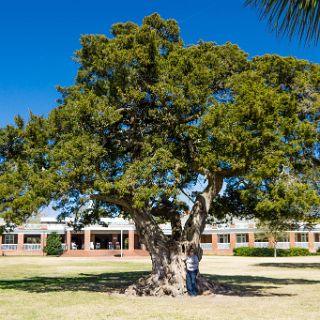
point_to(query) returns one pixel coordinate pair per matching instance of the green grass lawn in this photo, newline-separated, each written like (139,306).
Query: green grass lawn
(90,288)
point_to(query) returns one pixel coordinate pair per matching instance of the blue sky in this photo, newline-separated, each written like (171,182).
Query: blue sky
(38,38)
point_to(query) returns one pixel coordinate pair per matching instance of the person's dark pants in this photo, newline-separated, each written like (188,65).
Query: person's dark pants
(192,282)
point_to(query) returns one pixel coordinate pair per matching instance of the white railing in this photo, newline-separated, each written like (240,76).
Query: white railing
(301,245)
(206,246)
(283,245)
(261,244)
(7,247)
(64,246)
(32,247)
(223,246)
(242,244)
(317,245)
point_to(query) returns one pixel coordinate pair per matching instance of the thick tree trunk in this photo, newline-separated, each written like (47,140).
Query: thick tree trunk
(168,275)
(168,268)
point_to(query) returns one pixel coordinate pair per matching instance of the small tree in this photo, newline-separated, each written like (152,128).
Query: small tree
(284,207)
(274,230)
(53,247)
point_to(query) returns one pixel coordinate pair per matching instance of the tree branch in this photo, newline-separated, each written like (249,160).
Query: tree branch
(181,189)
(148,229)
(197,218)
(124,203)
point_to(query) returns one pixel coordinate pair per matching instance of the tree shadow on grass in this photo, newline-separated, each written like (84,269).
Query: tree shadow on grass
(116,282)
(248,286)
(290,265)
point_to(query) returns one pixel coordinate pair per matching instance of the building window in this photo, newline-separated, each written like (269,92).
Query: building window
(8,239)
(301,237)
(242,237)
(223,238)
(206,238)
(317,237)
(32,239)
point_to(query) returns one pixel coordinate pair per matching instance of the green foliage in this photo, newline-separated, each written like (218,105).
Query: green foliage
(269,252)
(299,252)
(253,252)
(148,117)
(53,247)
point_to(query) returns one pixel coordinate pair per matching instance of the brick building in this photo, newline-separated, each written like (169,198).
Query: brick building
(116,236)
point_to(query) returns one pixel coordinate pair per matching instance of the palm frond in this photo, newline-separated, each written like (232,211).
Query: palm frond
(291,17)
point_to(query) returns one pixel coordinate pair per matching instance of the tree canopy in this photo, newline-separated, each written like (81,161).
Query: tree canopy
(148,116)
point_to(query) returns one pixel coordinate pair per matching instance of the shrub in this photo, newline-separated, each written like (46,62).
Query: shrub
(299,252)
(253,252)
(269,252)
(53,247)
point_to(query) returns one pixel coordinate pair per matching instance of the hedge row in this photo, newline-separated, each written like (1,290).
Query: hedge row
(269,252)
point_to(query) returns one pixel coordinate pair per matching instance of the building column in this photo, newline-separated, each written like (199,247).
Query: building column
(232,240)
(0,244)
(43,240)
(68,240)
(311,242)
(251,239)
(20,241)
(292,239)
(131,240)
(214,241)
(87,239)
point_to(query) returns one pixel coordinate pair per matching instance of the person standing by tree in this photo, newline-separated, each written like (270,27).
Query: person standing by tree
(192,264)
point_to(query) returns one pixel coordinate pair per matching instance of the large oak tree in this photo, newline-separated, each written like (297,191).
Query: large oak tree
(147,119)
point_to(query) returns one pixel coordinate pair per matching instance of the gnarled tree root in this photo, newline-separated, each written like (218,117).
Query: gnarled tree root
(205,286)
(153,286)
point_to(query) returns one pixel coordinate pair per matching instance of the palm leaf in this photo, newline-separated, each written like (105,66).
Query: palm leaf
(291,17)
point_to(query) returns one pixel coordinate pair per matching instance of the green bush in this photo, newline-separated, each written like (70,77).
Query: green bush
(269,252)
(253,252)
(53,247)
(299,252)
